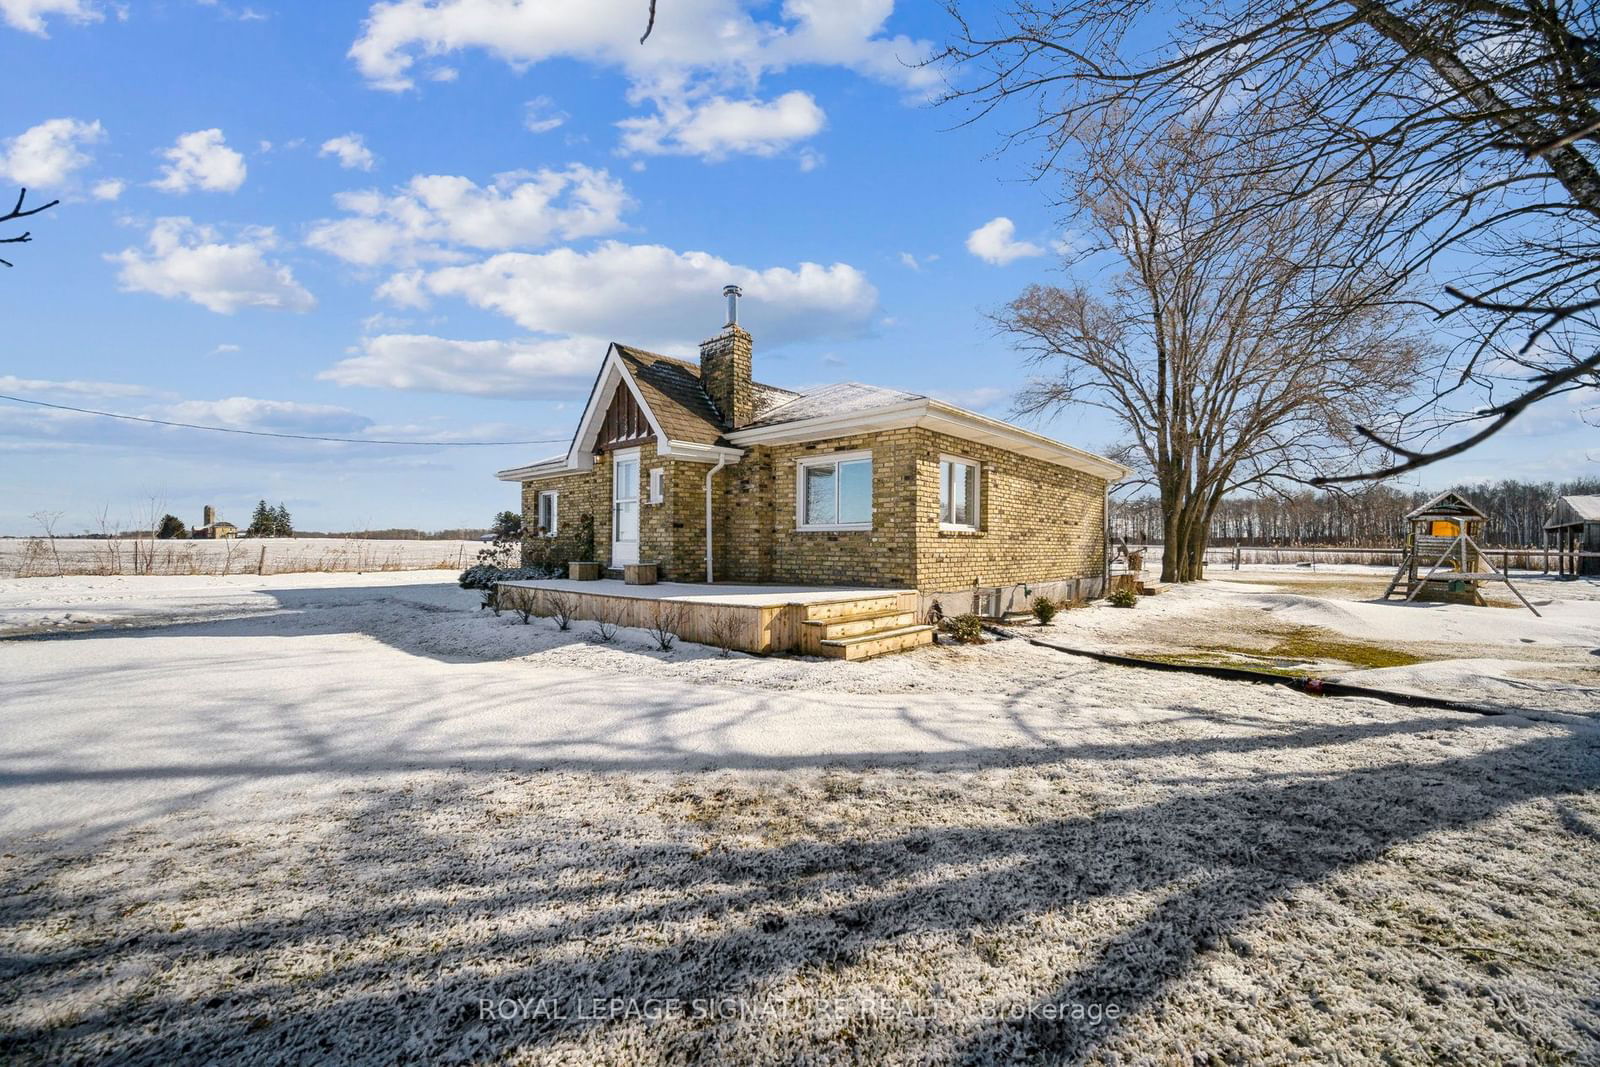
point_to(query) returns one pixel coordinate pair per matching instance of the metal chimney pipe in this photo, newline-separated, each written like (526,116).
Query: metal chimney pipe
(733,293)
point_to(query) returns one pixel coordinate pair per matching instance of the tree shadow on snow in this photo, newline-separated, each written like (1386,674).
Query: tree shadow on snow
(473,904)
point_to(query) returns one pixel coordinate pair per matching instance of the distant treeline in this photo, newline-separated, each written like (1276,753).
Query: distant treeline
(1373,517)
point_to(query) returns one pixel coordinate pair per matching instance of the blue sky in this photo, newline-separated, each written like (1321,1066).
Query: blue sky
(422,220)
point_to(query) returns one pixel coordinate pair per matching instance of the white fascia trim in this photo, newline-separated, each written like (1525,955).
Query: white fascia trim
(974,427)
(544,469)
(611,371)
(941,417)
(696,453)
(891,417)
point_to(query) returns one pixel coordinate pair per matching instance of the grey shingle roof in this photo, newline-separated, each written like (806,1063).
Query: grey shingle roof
(843,399)
(671,389)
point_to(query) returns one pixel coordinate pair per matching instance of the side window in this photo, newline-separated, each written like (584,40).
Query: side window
(958,493)
(658,485)
(547,513)
(834,493)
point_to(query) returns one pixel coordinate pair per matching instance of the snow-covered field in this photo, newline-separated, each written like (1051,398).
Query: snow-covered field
(34,557)
(336,817)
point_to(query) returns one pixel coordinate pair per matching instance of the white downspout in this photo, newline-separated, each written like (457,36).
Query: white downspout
(722,461)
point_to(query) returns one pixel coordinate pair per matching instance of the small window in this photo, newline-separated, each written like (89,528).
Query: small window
(658,485)
(547,514)
(958,493)
(835,493)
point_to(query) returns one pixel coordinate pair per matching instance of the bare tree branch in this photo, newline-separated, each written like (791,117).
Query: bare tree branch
(17,212)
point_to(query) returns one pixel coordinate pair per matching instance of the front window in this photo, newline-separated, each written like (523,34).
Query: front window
(835,493)
(958,493)
(547,514)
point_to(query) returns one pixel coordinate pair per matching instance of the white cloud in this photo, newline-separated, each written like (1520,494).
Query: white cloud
(280,416)
(702,52)
(540,115)
(979,399)
(48,153)
(352,151)
(28,15)
(911,261)
(10,383)
(110,189)
(719,37)
(200,160)
(433,215)
(474,368)
(190,261)
(718,127)
(225,349)
(995,242)
(650,294)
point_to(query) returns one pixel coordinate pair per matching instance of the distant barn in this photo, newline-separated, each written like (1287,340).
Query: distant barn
(214,529)
(1574,527)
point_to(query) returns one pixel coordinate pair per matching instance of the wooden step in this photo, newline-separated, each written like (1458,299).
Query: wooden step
(1151,588)
(856,625)
(840,609)
(878,644)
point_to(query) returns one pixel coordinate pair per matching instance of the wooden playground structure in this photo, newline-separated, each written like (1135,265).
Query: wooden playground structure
(1443,538)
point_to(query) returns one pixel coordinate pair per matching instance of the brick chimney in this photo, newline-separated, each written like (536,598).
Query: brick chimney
(211,516)
(725,367)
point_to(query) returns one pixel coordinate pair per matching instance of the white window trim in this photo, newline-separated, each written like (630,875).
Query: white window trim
(555,510)
(977,494)
(658,482)
(830,459)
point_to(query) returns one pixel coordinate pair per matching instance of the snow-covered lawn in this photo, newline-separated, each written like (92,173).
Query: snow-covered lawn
(338,817)
(1329,622)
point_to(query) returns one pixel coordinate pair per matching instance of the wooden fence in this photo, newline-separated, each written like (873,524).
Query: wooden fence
(1536,558)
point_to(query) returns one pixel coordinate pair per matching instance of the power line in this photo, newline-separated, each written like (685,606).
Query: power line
(289,436)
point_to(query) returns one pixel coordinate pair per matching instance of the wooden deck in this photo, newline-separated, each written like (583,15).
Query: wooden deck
(843,623)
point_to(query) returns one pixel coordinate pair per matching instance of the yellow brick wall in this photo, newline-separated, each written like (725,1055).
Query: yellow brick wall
(1040,522)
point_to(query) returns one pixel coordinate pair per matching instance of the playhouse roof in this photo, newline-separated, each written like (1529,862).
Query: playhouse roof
(1448,505)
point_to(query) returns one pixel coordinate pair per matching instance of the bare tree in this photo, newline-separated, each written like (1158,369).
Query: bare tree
(17,212)
(1236,349)
(1471,127)
(47,522)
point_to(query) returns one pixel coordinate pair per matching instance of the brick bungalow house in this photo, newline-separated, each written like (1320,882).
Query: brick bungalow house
(843,485)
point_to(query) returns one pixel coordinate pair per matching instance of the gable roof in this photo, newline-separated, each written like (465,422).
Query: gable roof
(671,390)
(687,423)
(1574,511)
(1448,503)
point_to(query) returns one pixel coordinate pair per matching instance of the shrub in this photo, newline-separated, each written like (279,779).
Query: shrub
(665,621)
(724,630)
(967,629)
(1123,598)
(561,605)
(1044,609)
(524,603)
(484,575)
(605,626)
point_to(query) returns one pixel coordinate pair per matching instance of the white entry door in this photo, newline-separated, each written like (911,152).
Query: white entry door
(625,507)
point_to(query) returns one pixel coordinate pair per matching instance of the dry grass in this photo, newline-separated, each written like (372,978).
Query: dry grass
(39,557)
